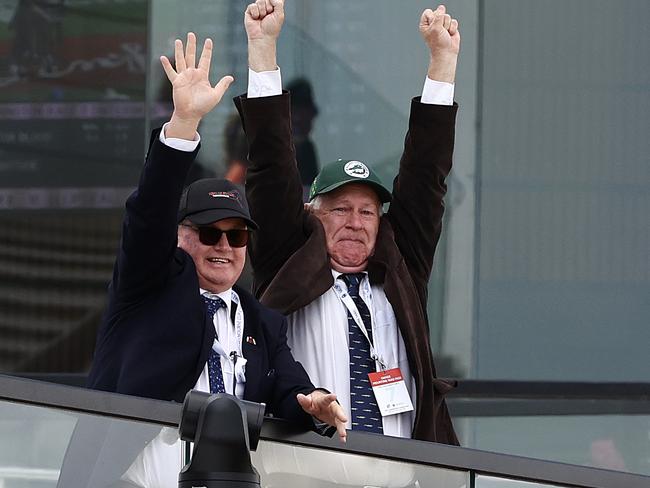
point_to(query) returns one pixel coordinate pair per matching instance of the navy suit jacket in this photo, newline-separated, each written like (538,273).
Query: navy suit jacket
(156,335)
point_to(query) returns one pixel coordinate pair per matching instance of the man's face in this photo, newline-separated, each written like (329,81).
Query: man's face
(218,266)
(350,215)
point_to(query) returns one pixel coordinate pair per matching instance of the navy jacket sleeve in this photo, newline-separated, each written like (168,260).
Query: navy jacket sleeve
(149,232)
(136,324)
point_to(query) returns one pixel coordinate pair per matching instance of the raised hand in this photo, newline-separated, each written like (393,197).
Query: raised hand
(193,94)
(440,32)
(263,21)
(325,408)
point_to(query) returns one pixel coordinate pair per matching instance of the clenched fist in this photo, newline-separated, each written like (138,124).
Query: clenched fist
(263,21)
(440,32)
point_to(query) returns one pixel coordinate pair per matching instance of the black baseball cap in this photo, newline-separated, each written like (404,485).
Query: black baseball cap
(343,171)
(212,199)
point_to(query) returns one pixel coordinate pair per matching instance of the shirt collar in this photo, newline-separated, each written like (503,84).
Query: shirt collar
(336,274)
(226,296)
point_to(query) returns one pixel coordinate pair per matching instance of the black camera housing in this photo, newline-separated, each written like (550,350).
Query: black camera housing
(224,429)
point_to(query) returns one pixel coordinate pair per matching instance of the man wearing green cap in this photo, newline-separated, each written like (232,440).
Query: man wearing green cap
(351,279)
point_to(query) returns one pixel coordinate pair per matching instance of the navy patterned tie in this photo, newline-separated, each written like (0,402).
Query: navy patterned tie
(214,361)
(365,412)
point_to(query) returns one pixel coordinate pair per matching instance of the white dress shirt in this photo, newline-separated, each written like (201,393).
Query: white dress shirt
(269,83)
(228,337)
(318,333)
(318,336)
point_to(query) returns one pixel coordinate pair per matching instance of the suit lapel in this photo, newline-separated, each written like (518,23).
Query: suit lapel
(209,335)
(387,266)
(403,297)
(251,346)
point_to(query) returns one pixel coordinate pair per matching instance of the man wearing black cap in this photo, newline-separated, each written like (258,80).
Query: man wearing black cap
(351,280)
(175,321)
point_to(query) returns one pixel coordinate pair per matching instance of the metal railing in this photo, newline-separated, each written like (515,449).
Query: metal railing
(503,398)
(115,406)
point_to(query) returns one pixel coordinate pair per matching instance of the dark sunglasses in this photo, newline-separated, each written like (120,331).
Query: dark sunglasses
(209,236)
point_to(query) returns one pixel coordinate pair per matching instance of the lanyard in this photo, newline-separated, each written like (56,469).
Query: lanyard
(349,304)
(233,357)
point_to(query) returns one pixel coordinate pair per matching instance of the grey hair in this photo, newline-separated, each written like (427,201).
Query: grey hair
(316,202)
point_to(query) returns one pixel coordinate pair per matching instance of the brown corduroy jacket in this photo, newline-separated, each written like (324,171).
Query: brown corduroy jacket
(289,254)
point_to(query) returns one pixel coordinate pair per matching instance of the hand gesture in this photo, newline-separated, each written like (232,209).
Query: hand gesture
(263,20)
(193,94)
(440,32)
(325,408)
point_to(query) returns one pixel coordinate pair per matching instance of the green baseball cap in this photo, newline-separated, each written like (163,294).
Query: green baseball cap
(343,171)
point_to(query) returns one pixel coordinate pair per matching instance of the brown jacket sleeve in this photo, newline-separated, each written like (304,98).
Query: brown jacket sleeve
(273,186)
(416,210)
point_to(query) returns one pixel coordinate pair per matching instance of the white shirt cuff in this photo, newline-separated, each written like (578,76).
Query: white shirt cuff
(179,144)
(264,83)
(437,92)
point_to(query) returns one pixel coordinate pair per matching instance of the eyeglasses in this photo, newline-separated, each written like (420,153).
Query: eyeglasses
(209,236)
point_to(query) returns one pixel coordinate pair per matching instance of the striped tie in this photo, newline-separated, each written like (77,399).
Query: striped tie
(365,412)
(214,361)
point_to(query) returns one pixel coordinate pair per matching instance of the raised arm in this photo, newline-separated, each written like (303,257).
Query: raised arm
(273,184)
(150,228)
(417,207)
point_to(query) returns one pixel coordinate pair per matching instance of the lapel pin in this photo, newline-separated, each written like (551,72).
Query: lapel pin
(251,340)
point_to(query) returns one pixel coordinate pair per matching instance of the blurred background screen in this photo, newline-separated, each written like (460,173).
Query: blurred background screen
(71,100)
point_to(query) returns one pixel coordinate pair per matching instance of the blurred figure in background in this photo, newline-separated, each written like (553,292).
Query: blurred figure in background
(303,113)
(235,150)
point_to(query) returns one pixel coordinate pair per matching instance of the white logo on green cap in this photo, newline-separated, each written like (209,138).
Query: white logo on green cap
(356,169)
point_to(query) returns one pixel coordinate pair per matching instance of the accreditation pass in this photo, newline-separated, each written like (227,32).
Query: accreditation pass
(390,392)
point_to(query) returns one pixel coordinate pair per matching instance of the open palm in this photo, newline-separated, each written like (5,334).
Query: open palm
(193,94)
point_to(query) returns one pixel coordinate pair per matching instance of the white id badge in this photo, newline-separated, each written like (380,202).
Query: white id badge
(390,392)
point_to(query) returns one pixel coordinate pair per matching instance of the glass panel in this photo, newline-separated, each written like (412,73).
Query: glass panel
(564,274)
(283,465)
(494,482)
(42,447)
(617,442)
(562,242)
